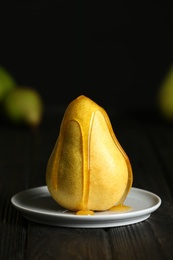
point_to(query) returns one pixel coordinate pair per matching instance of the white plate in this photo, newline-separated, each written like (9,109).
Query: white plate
(37,205)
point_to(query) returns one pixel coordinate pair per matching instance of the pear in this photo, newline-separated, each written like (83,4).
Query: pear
(165,96)
(7,83)
(88,170)
(24,104)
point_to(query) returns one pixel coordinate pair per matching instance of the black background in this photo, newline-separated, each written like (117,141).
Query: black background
(115,52)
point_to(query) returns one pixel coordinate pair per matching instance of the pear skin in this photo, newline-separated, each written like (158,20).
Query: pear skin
(88,170)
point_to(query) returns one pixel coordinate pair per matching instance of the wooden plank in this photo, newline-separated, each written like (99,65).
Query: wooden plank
(47,242)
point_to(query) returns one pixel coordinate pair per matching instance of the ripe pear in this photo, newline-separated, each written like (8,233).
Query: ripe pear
(88,170)
(7,83)
(165,96)
(24,104)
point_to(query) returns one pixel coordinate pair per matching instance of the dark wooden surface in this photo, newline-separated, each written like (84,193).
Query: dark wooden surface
(147,140)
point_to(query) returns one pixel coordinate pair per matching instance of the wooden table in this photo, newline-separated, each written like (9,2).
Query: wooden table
(147,140)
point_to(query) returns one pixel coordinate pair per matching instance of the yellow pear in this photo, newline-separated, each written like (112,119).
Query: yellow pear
(88,170)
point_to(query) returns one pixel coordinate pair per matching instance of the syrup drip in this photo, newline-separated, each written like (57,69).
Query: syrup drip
(120,208)
(85,212)
(117,208)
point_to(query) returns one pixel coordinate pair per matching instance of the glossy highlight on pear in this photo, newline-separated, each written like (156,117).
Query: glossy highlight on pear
(88,170)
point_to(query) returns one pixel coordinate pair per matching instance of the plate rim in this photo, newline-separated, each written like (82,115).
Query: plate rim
(131,215)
